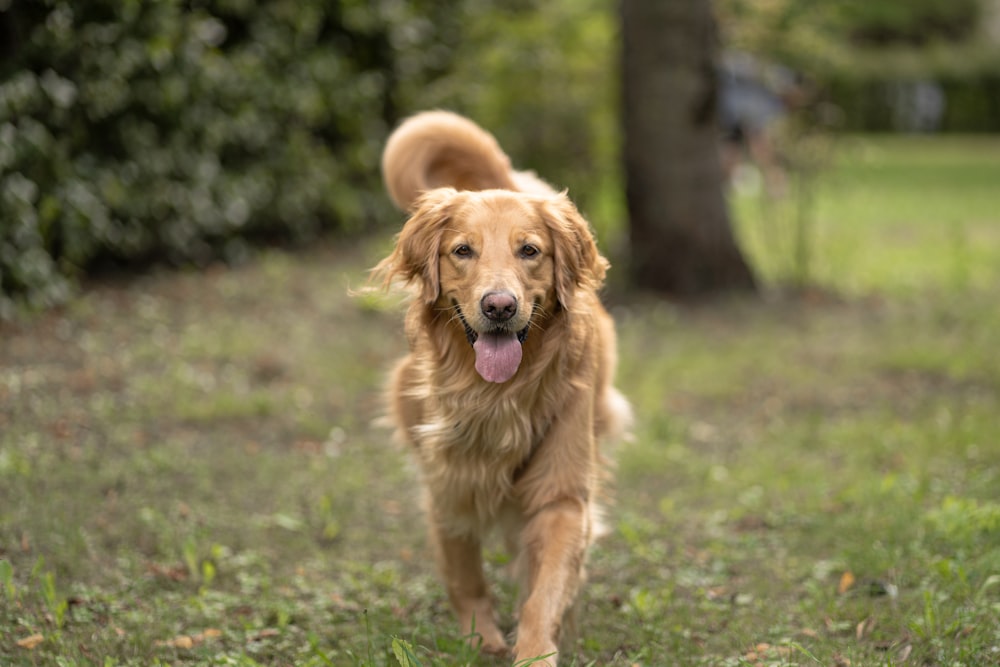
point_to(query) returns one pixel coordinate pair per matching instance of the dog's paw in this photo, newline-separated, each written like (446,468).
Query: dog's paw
(537,654)
(497,648)
(490,641)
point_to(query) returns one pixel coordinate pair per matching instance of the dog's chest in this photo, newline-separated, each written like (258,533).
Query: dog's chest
(473,427)
(471,450)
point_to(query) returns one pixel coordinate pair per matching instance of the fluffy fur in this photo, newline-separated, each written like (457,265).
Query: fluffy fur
(495,254)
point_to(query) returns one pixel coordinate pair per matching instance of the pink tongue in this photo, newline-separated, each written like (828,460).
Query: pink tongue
(497,356)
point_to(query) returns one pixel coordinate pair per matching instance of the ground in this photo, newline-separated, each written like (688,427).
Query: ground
(192,468)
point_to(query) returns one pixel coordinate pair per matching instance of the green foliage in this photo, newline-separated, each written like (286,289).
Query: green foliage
(404,653)
(7,579)
(914,22)
(818,31)
(963,519)
(132,130)
(550,95)
(857,53)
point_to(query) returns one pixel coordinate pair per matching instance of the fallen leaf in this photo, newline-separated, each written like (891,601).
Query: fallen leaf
(764,651)
(719,593)
(31,642)
(846,582)
(171,572)
(904,653)
(190,641)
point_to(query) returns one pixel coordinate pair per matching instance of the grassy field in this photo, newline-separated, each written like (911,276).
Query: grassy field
(192,473)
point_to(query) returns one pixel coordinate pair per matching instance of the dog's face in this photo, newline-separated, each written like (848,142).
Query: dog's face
(498,260)
(495,262)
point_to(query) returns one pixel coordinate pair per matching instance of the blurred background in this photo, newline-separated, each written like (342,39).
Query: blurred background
(192,469)
(194,131)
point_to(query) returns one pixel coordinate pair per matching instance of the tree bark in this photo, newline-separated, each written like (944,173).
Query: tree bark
(681,239)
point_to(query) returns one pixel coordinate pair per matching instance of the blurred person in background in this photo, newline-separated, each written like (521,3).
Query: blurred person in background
(753,97)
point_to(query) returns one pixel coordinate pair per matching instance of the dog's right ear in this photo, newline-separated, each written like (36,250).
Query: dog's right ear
(416,255)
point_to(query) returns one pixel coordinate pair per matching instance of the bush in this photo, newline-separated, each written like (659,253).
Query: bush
(182,130)
(189,130)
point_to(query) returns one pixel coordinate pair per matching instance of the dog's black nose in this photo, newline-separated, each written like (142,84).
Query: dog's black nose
(499,306)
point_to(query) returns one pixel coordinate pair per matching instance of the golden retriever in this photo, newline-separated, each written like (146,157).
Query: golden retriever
(507,386)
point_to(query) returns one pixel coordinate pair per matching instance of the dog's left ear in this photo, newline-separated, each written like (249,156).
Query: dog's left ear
(578,264)
(415,257)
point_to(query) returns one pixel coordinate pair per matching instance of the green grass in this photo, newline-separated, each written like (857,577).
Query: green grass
(891,214)
(191,472)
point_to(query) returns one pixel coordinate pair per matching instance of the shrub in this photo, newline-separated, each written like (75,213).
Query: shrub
(182,130)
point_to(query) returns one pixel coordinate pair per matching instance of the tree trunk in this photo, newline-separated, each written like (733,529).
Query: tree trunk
(681,240)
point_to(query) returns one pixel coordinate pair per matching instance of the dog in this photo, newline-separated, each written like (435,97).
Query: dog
(507,387)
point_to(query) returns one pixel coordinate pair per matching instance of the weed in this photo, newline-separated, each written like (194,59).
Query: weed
(7,579)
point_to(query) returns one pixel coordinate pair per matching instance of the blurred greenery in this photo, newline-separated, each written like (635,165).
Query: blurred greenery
(169,129)
(188,132)
(857,53)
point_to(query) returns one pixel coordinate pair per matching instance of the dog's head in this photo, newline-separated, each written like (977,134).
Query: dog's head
(497,259)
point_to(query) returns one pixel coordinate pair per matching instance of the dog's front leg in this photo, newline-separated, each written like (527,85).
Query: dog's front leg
(461,565)
(555,542)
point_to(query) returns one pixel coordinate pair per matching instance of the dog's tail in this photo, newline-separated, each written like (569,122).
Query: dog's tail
(436,149)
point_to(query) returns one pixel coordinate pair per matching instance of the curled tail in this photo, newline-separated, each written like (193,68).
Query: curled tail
(435,149)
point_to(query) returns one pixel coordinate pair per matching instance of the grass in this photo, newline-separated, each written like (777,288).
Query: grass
(190,473)
(896,214)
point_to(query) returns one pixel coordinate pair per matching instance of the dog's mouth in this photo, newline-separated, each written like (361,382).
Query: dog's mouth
(498,351)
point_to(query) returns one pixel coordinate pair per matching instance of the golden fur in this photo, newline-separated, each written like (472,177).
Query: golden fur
(519,453)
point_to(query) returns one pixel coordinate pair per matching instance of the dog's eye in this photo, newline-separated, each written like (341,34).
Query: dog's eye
(462,250)
(529,251)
